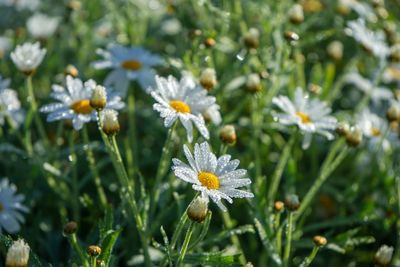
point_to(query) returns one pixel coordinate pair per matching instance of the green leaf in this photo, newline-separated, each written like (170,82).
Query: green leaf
(106,224)
(215,259)
(108,243)
(267,243)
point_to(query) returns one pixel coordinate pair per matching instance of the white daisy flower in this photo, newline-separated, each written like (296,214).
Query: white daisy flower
(215,178)
(311,116)
(366,86)
(74,102)
(27,57)
(374,127)
(128,63)
(371,41)
(212,114)
(183,100)
(42,26)
(11,208)
(10,107)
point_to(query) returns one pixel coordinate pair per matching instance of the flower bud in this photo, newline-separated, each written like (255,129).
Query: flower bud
(343,128)
(208,78)
(319,241)
(228,134)
(253,83)
(251,39)
(383,256)
(70,228)
(98,100)
(354,137)
(335,50)
(71,70)
(209,42)
(315,88)
(292,202)
(110,122)
(395,53)
(94,250)
(279,206)
(296,14)
(393,113)
(343,8)
(18,254)
(291,36)
(197,210)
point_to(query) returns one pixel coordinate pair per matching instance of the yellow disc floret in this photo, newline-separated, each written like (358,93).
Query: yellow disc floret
(375,131)
(82,106)
(209,180)
(131,65)
(180,106)
(304,117)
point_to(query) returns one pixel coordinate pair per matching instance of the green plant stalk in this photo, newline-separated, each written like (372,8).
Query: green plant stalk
(255,119)
(234,238)
(93,168)
(185,245)
(93,262)
(78,250)
(278,229)
(75,182)
(132,168)
(162,169)
(277,175)
(326,170)
(35,114)
(289,230)
(308,260)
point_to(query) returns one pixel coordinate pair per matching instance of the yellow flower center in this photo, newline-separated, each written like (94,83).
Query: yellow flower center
(180,106)
(82,106)
(208,180)
(375,131)
(304,117)
(131,65)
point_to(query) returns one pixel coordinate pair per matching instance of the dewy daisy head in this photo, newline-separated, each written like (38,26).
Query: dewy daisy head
(215,178)
(18,254)
(183,100)
(27,57)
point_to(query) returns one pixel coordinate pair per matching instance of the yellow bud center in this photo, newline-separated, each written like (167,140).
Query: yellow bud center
(131,65)
(304,117)
(180,106)
(208,180)
(375,131)
(82,106)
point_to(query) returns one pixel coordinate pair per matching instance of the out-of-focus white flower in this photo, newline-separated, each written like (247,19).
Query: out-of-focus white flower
(74,102)
(183,100)
(373,42)
(215,178)
(311,116)
(373,128)
(11,208)
(363,9)
(42,26)
(296,14)
(5,45)
(384,255)
(128,63)
(391,74)
(10,107)
(335,50)
(212,114)
(18,254)
(171,26)
(376,93)
(22,4)
(27,57)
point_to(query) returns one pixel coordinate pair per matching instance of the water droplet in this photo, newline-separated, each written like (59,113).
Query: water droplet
(240,57)
(70,158)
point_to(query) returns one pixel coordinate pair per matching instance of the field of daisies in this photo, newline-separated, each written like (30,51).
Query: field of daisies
(199,133)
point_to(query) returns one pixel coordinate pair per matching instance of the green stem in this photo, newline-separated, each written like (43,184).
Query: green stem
(185,244)
(289,230)
(277,175)
(93,168)
(307,261)
(93,262)
(132,168)
(78,250)
(75,182)
(328,167)
(278,229)
(234,238)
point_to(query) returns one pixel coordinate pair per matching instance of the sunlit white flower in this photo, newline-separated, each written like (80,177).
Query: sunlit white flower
(374,129)
(366,86)
(183,100)
(42,26)
(215,178)
(311,116)
(27,57)
(373,42)
(18,254)
(11,208)
(128,63)
(74,102)
(10,107)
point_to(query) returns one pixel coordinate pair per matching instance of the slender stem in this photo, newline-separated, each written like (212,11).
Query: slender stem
(132,168)
(278,229)
(289,230)
(277,175)
(93,262)
(326,170)
(75,182)
(93,168)
(78,250)
(307,261)
(185,244)
(234,238)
